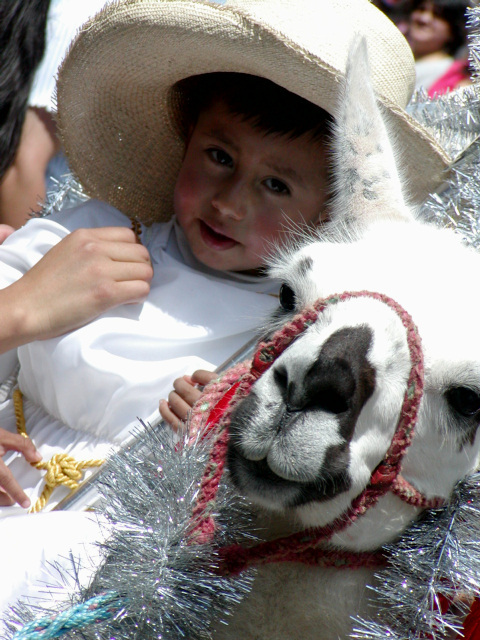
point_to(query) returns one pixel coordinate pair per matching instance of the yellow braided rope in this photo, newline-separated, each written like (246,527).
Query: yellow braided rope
(61,469)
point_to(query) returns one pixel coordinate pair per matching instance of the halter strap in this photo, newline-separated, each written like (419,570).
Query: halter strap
(305,545)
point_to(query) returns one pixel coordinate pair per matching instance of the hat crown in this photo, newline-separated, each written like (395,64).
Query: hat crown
(325,29)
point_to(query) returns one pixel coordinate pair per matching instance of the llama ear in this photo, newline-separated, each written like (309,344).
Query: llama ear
(367,183)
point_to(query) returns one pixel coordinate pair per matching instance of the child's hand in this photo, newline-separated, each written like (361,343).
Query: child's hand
(187,390)
(10,490)
(84,275)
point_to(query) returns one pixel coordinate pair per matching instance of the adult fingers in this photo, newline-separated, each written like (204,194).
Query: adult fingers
(11,487)
(5,500)
(14,442)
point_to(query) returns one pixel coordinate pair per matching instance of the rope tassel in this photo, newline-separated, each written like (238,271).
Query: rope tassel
(62,469)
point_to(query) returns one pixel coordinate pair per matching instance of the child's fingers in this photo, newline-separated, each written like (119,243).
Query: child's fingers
(203,377)
(11,489)
(184,396)
(168,415)
(186,391)
(178,405)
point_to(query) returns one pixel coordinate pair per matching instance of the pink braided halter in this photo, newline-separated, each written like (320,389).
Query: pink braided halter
(222,396)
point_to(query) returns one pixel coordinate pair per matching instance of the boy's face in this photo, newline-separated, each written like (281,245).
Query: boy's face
(240,189)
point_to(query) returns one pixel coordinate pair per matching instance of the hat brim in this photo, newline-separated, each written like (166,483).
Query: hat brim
(115,112)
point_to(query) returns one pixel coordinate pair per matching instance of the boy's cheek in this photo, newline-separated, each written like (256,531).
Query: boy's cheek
(261,239)
(184,196)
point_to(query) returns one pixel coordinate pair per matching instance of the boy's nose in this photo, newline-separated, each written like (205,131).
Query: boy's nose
(231,200)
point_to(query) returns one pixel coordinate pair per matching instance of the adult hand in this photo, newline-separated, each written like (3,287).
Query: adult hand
(187,390)
(10,490)
(84,275)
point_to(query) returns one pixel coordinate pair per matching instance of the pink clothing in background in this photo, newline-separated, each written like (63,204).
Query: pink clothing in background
(455,74)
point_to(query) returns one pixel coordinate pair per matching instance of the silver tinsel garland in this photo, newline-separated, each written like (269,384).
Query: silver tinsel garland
(164,586)
(454,119)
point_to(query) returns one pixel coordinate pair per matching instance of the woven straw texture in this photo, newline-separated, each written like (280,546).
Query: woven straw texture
(116,113)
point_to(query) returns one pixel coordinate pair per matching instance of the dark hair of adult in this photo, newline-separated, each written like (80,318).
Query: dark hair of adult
(22,44)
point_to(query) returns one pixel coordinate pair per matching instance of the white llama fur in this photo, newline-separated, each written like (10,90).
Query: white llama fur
(375,243)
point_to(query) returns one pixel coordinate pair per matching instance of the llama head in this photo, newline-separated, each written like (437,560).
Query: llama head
(319,421)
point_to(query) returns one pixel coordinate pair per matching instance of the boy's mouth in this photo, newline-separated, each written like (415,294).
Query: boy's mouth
(214,239)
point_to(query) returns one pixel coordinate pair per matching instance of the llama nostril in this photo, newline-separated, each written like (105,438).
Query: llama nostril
(331,380)
(332,399)
(330,385)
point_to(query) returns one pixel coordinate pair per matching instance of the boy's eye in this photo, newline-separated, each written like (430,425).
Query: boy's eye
(277,186)
(220,157)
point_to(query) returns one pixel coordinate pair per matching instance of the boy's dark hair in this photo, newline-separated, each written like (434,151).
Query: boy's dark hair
(22,43)
(267,106)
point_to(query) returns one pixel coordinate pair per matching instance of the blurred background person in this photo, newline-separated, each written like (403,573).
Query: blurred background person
(437,35)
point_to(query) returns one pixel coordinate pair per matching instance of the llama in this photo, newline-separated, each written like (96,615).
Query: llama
(312,432)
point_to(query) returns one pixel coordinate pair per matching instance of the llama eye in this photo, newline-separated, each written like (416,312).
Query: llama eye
(464,400)
(287,298)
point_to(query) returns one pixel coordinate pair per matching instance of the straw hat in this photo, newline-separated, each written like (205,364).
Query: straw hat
(116,108)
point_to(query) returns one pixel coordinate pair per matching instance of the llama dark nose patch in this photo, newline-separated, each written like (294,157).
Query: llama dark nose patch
(339,381)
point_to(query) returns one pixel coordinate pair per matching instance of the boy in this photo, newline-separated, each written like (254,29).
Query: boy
(239,175)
